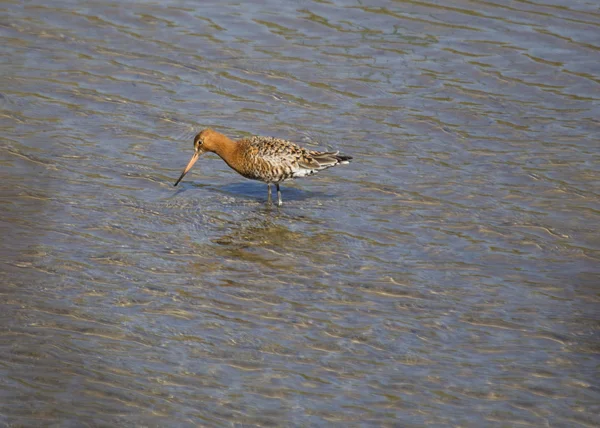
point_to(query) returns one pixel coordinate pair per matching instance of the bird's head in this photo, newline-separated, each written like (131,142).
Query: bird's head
(202,143)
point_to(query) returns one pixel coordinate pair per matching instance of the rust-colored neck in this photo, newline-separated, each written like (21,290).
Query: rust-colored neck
(222,145)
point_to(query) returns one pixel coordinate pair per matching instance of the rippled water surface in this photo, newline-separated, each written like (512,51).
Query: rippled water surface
(449,276)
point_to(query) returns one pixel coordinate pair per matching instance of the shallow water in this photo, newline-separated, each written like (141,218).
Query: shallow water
(447,277)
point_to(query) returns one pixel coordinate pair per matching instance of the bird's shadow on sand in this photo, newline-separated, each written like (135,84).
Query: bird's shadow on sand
(257,191)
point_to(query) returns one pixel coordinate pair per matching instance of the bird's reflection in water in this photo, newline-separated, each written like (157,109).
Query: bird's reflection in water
(255,192)
(275,234)
(265,228)
(246,233)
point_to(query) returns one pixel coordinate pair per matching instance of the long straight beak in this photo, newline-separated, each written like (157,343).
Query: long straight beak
(189,166)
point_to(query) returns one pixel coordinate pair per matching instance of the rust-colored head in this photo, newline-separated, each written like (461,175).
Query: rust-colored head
(203,142)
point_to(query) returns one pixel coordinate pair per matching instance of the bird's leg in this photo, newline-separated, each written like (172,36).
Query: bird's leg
(279,202)
(269,192)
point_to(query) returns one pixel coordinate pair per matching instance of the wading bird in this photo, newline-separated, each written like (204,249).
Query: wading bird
(266,159)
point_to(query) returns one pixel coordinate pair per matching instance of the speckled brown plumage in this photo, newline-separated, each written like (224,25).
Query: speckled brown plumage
(267,159)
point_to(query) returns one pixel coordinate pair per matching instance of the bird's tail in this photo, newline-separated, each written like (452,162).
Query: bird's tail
(343,158)
(327,159)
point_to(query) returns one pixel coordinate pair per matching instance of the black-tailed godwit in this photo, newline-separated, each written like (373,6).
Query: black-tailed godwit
(267,159)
